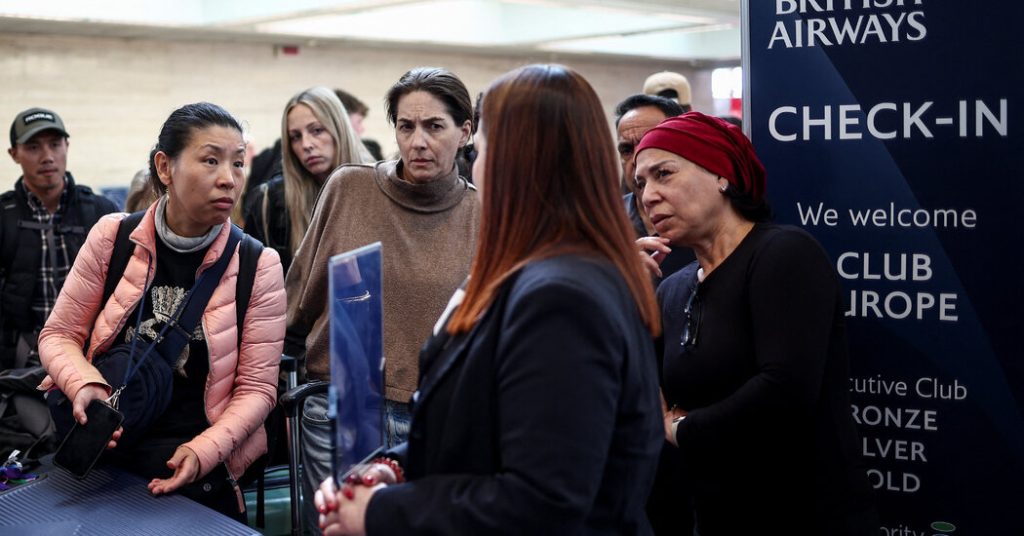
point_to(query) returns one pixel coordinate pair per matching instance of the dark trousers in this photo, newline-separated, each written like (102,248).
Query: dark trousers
(670,504)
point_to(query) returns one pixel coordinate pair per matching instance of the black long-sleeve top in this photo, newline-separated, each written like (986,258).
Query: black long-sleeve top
(769,441)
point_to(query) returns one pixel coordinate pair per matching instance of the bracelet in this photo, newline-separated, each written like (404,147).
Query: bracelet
(393,465)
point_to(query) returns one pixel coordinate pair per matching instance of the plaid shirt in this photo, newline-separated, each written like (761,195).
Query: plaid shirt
(54,262)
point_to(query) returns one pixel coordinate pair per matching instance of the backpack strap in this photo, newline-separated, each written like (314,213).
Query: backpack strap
(123,248)
(9,217)
(88,211)
(119,257)
(81,211)
(265,193)
(249,252)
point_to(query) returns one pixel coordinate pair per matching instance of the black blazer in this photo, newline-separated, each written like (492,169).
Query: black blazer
(544,419)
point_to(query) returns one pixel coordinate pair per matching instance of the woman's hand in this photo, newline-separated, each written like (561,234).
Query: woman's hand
(343,513)
(185,464)
(85,396)
(670,417)
(372,474)
(653,250)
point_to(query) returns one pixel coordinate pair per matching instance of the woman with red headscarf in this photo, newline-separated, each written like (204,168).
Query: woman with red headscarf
(754,364)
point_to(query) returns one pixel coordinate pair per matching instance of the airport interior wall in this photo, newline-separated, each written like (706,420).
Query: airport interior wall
(114,93)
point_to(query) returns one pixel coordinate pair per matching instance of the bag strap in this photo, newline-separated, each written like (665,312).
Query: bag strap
(249,252)
(10,214)
(265,192)
(87,202)
(119,257)
(179,330)
(122,253)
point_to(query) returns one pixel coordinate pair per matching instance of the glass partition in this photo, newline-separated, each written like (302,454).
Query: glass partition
(355,399)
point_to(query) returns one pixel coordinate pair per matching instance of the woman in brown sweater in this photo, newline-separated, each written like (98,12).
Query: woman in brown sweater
(425,215)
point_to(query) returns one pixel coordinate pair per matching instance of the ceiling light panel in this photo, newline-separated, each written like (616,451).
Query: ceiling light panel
(723,43)
(470,22)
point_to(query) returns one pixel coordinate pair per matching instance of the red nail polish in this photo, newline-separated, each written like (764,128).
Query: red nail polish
(347,492)
(369,480)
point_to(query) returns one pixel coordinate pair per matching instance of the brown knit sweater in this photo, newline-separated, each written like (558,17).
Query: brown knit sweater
(428,232)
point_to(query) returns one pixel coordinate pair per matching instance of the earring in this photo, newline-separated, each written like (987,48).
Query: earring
(723,188)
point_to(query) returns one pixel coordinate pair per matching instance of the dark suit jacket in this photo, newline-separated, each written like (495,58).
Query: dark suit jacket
(544,419)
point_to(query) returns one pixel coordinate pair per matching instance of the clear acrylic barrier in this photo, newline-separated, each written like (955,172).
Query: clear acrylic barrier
(355,399)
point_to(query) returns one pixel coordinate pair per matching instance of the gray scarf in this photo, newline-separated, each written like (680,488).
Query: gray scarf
(181,244)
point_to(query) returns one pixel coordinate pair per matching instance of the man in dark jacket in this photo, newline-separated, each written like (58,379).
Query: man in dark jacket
(668,506)
(634,116)
(43,222)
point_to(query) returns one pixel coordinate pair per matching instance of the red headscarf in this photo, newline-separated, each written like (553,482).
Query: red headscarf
(712,144)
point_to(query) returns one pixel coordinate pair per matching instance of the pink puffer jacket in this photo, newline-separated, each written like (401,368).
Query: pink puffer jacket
(241,387)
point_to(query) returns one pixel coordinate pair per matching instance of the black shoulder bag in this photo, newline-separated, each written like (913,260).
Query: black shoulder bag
(144,385)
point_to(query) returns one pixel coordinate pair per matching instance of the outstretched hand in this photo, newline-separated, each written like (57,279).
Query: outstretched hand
(185,464)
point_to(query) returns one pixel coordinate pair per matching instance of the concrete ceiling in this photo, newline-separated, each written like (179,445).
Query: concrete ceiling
(684,30)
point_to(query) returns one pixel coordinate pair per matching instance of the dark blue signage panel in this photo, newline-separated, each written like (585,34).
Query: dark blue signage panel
(357,355)
(891,130)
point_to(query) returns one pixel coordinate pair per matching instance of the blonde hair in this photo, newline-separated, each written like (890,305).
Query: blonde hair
(300,186)
(140,193)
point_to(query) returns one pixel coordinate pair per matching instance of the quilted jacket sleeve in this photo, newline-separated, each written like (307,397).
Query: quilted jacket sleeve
(71,322)
(253,391)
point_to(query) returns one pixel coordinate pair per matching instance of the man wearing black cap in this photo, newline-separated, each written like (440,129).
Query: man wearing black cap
(43,222)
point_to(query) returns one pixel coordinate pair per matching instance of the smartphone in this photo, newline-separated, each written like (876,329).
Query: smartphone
(82,447)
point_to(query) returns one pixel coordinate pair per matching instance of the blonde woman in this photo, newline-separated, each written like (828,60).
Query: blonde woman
(317,137)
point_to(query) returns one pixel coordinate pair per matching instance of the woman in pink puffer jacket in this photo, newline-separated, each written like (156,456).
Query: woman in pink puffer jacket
(222,393)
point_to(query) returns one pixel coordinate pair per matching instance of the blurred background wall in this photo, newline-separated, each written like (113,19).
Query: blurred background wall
(116,71)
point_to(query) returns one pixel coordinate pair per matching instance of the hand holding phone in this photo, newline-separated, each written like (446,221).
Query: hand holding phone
(84,444)
(85,396)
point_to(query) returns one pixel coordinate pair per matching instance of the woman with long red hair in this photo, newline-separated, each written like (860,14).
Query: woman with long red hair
(537,411)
